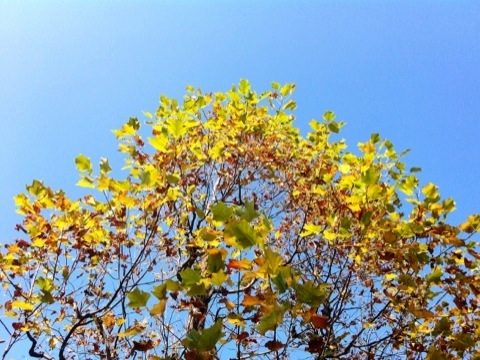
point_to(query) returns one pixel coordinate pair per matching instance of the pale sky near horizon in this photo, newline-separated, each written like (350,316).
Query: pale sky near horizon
(71,71)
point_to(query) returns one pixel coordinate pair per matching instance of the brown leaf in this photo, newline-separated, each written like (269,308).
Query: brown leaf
(242,336)
(273,345)
(319,321)
(143,345)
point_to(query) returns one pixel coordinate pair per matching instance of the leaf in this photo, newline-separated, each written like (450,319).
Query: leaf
(311,229)
(86,182)
(274,345)
(143,346)
(205,341)
(243,264)
(273,260)
(249,300)
(221,212)
(132,331)
(176,128)
(159,308)
(16,304)
(243,232)
(271,321)
(104,166)
(435,276)
(83,163)
(310,293)
(190,276)
(159,142)
(160,291)
(244,87)
(137,298)
(36,188)
(329,116)
(215,261)
(319,321)
(370,176)
(280,282)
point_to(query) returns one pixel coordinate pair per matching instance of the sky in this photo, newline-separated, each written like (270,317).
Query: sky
(72,71)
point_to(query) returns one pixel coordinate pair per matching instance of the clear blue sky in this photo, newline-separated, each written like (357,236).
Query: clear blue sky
(71,71)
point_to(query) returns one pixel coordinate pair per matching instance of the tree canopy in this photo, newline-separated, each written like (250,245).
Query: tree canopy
(229,234)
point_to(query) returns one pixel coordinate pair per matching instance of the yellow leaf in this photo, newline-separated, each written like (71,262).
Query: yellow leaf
(159,142)
(131,331)
(236,320)
(86,182)
(159,308)
(22,305)
(391,276)
(329,235)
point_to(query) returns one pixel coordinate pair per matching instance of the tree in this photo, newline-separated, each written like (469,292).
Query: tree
(234,236)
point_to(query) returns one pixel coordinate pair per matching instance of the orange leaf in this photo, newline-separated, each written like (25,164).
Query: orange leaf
(239,264)
(251,300)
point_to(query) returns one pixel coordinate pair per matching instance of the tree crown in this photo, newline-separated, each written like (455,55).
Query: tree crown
(234,236)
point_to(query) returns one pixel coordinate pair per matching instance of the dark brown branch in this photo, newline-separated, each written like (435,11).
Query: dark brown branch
(32,351)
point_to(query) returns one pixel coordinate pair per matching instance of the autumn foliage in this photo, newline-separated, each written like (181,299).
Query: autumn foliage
(230,235)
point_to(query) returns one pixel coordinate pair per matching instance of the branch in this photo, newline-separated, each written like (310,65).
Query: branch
(32,351)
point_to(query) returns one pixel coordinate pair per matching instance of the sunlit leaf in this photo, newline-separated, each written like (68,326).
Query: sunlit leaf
(137,298)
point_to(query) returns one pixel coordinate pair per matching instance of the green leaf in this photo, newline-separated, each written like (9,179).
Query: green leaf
(375,138)
(134,123)
(205,341)
(244,87)
(138,298)
(408,184)
(37,188)
(215,262)
(281,280)
(219,278)
(45,284)
(210,337)
(310,293)
(160,291)
(104,166)
(83,163)
(431,192)
(435,276)
(190,277)
(415,169)
(172,285)
(248,212)
(273,260)
(366,217)
(371,176)
(145,177)
(221,212)
(196,289)
(329,116)
(334,127)
(243,232)
(270,321)
(275,85)
(444,325)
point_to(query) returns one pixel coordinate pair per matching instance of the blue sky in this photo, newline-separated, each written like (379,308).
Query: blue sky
(71,71)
